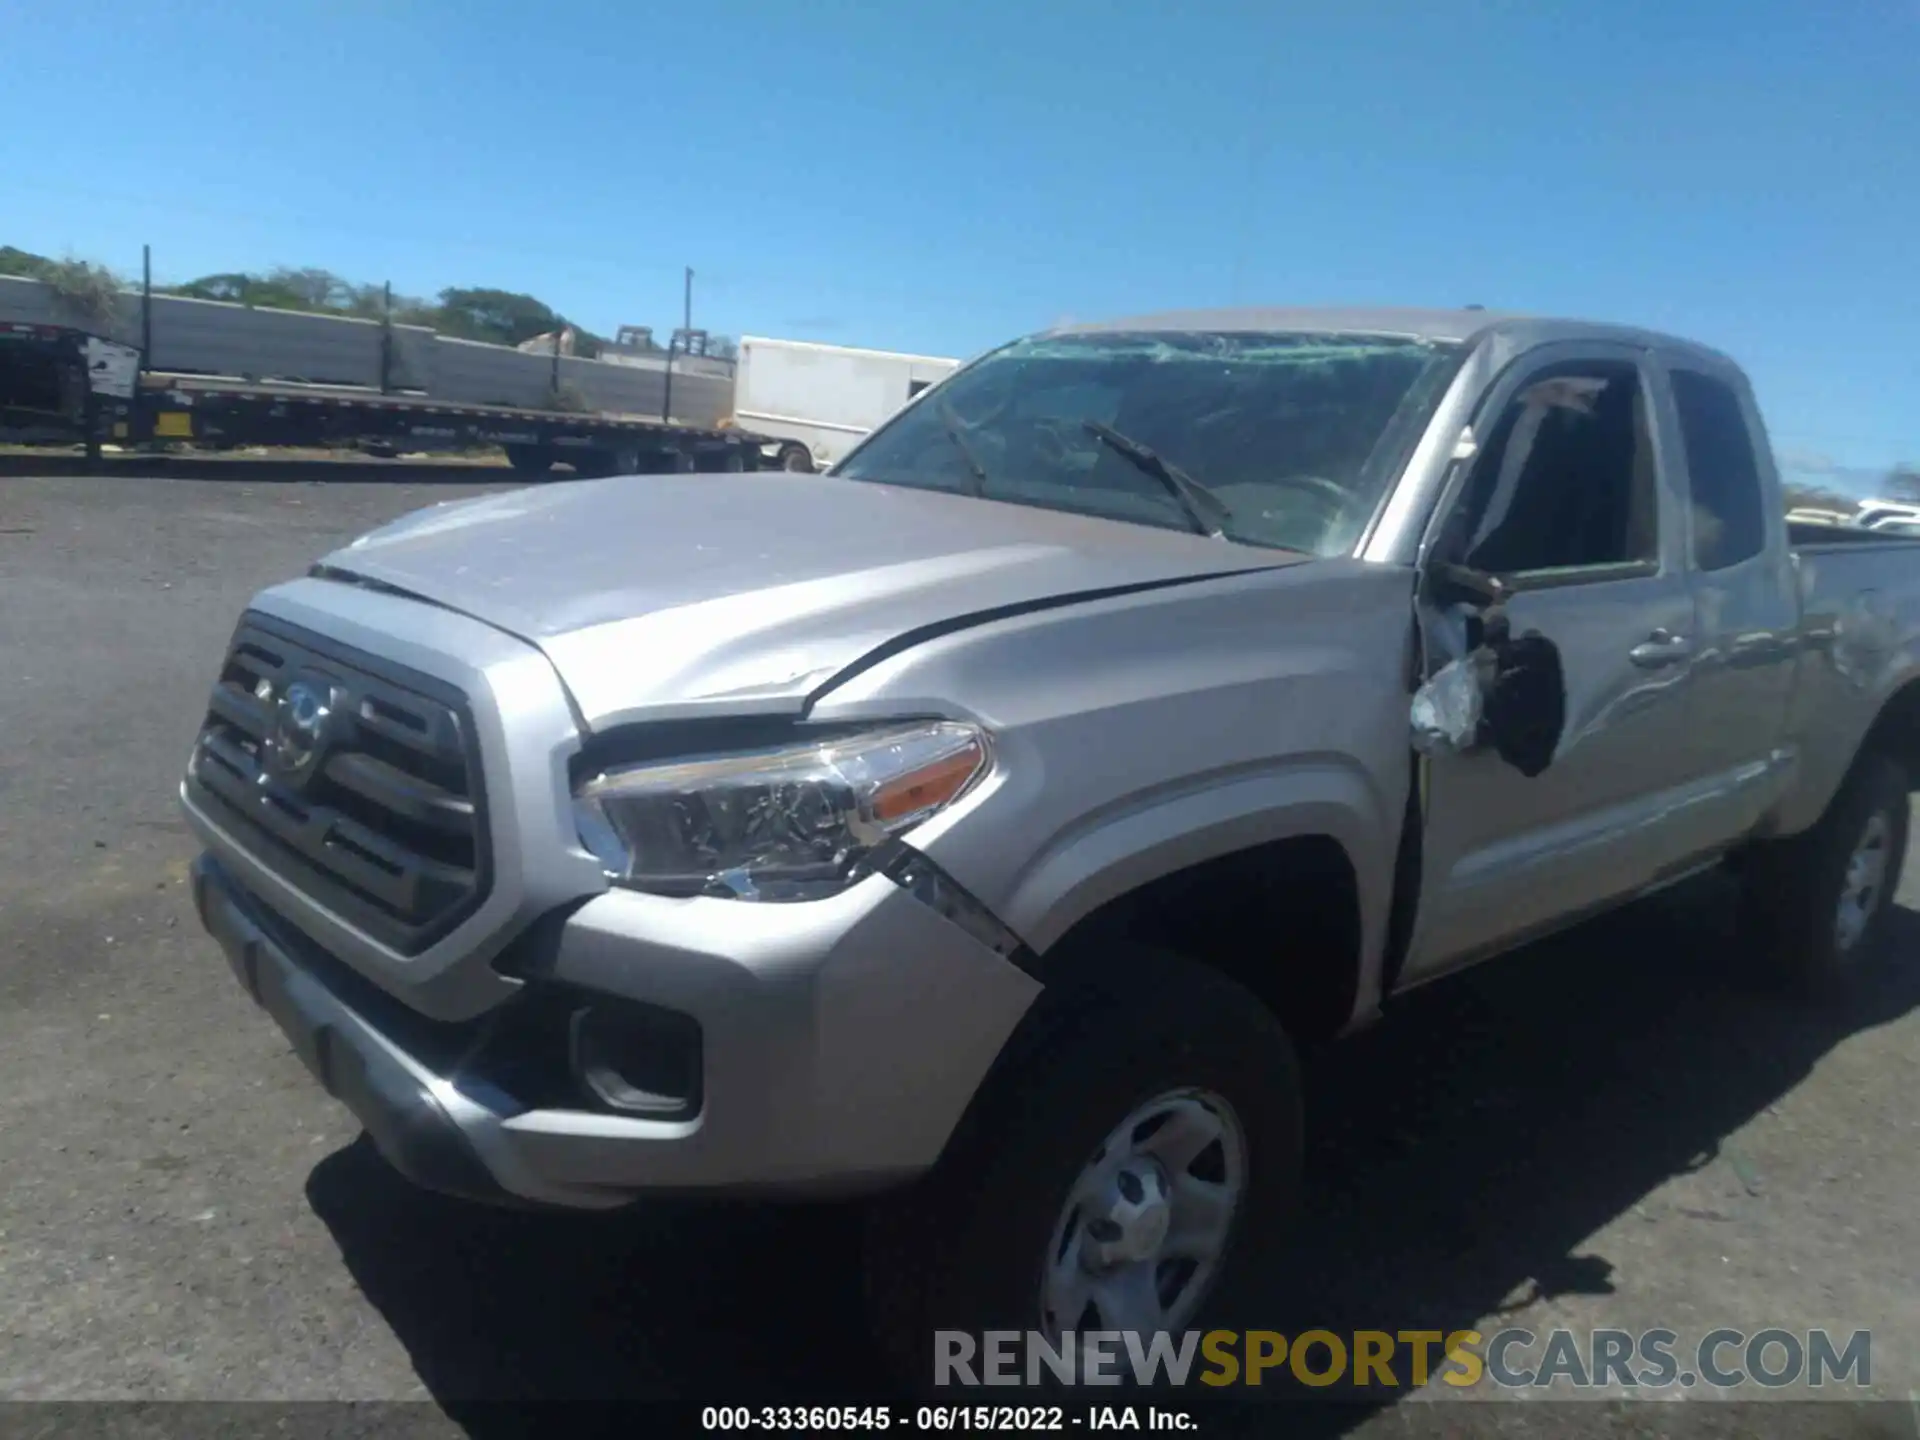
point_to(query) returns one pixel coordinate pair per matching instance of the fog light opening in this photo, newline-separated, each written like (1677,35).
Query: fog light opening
(638,1061)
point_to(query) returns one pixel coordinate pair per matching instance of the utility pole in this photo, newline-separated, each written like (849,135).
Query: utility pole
(681,338)
(666,391)
(386,338)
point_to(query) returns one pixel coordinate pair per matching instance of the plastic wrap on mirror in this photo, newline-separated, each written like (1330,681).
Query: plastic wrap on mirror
(1447,710)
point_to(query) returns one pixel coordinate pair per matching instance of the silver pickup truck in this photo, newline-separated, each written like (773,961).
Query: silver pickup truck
(989,821)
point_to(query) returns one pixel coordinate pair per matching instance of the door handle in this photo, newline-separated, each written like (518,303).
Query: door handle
(1660,648)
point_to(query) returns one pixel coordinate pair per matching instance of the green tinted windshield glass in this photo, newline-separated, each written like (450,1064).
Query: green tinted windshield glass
(1293,435)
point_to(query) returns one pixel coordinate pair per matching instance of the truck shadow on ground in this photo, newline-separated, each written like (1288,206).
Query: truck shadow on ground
(1465,1149)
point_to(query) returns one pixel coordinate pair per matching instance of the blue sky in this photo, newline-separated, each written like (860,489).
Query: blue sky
(939,177)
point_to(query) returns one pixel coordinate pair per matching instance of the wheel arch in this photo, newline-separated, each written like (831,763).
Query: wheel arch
(1889,725)
(1283,881)
(1895,728)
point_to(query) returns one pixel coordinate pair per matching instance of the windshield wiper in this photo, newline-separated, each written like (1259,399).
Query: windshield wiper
(1196,499)
(951,424)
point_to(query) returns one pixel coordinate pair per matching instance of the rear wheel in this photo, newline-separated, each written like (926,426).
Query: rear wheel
(666,462)
(1815,905)
(796,458)
(600,464)
(1130,1149)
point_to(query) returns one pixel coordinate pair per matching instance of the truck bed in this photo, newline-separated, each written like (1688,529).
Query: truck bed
(1806,536)
(1859,616)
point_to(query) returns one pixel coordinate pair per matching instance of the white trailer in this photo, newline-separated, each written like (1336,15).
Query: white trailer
(1900,516)
(825,396)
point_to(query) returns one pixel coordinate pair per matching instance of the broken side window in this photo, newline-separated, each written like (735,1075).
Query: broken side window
(1566,477)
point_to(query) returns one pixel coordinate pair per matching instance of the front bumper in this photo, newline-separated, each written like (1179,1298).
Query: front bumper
(839,1044)
(398,1100)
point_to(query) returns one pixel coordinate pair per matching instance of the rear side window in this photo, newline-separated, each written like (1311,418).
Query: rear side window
(1728,522)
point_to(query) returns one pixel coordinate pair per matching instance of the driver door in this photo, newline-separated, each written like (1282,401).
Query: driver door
(1568,499)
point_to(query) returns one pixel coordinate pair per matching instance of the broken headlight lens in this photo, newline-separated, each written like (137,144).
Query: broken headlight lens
(788,824)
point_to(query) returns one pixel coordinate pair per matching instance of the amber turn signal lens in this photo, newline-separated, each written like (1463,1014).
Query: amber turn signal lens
(929,787)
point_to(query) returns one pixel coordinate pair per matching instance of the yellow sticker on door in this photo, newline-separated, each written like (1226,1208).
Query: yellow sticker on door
(173,424)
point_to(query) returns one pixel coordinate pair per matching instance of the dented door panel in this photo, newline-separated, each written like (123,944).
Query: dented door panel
(1507,853)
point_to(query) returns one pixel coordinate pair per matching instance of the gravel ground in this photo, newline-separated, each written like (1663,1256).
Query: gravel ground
(1609,1130)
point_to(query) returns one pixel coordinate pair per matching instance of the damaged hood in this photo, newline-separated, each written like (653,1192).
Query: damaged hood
(672,595)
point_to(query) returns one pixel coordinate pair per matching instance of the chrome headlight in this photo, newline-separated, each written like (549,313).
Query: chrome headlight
(795,823)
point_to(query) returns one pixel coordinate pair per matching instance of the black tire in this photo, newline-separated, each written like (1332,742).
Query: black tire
(666,462)
(529,459)
(964,1248)
(605,464)
(1792,889)
(796,458)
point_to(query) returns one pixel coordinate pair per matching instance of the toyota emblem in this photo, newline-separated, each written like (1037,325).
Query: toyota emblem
(302,718)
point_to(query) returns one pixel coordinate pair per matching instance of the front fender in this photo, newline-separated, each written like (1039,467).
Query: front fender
(1141,734)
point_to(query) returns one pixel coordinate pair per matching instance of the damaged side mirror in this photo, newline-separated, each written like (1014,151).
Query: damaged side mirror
(1451,584)
(1502,691)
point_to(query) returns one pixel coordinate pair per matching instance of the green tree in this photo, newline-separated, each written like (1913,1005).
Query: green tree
(502,317)
(369,302)
(92,290)
(313,289)
(232,287)
(284,288)
(14,261)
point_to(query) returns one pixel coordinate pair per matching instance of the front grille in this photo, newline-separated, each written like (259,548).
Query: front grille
(377,811)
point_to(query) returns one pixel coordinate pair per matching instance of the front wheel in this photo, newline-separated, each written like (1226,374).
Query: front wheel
(1815,905)
(1130,1149)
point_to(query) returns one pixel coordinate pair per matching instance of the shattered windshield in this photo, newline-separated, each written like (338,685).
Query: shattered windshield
(1279,440)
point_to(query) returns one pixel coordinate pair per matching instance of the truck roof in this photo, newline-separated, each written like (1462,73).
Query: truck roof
(1448,326)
